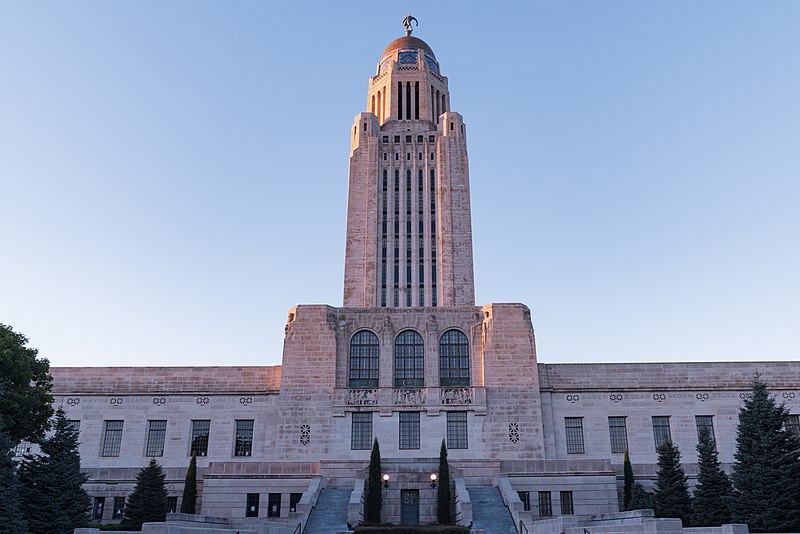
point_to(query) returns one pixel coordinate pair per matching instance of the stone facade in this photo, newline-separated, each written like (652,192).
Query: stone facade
(411,372)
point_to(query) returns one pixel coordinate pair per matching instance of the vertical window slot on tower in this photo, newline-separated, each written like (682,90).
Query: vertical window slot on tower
(416,100)
(400,100)
(408,100)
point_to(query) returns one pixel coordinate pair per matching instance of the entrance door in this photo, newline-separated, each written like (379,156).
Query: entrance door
(409,507)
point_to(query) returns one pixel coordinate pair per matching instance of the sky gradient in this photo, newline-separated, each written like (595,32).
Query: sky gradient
(173,175)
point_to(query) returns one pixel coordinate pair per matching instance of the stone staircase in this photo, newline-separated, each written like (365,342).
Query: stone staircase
(489,513)
(330,513)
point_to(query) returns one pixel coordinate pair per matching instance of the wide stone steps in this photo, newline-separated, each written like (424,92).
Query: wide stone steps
(489,513)
(330,513)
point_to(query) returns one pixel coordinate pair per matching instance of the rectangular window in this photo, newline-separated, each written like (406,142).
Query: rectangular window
(200,433)
(119,508)
(274,509)
(545,504)
(23,447)
(244,437)
(361,432)
(574,427)
(707,422)
(112,438)
(252,505)
(97,507)
(566,503)
(75,424)
(294,499)
(156,432)
(409,430)
(525,497)
(618,431)
(661,431)
(457,430)
(792,424)
(172,505)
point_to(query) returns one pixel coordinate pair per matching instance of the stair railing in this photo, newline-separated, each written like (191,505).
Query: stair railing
(522,527)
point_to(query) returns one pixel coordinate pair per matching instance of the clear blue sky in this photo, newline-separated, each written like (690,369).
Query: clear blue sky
(173,175)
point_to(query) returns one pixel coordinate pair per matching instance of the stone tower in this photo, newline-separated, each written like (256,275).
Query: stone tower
(409,234)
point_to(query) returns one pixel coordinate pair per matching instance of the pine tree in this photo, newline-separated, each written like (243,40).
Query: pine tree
(671,497)
(711,502)
(640,500)
(51,483)
(148,502)
(629,481)
(374,491)
(766,472)
(189,502)
(443,493)
(11,518)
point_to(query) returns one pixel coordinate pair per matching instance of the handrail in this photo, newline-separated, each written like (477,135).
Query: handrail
(298,529)
(522,527)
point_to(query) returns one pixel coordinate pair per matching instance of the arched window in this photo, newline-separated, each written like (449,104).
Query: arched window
(364,357)
(409,360)
(454,359)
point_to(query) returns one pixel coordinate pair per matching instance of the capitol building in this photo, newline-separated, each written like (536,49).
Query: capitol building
(409,359)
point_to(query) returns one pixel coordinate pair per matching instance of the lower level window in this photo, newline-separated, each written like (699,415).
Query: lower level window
(409,430)
(294,499)
(119,507)
(97,508)
(361,432)
(274,505)
(566,503)
(545,504)
(252,505)
(172,505)
(457,430)
(525,497)
(792,424)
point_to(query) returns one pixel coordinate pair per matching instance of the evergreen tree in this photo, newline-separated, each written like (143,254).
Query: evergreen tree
(766,472)
(629,481)
(148,502)
(374,491)
(51,483)
(11,518)
(712,495)
(640,500)
(443,493)
(671,497)
(189,502)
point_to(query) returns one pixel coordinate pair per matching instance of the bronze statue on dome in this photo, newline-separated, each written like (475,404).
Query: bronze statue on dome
(407,24)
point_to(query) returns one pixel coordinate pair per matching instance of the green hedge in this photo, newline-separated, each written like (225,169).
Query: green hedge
(432,529)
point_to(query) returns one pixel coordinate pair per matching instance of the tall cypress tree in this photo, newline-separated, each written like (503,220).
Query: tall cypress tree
(766,471)
(671,498)
(374,501)
(51,483)
(711,502)
(443,493)
(629,481)
(11,518)
(148,502)
(189,502)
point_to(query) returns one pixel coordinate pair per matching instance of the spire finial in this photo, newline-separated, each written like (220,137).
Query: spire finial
(407,24)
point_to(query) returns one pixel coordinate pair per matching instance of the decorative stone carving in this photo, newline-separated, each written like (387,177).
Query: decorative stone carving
(244,401)
(458,396)
(73,401)
(305,434)
(788,395)
(159,401)
(615,397)
(409,397)
(115,401)
(659,397)
(573,398)
(388,327)
(202,401)
(702,397)
(362,397)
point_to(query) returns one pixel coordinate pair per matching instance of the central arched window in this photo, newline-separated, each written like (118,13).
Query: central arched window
(409,360)
(364,357)
(454,359)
